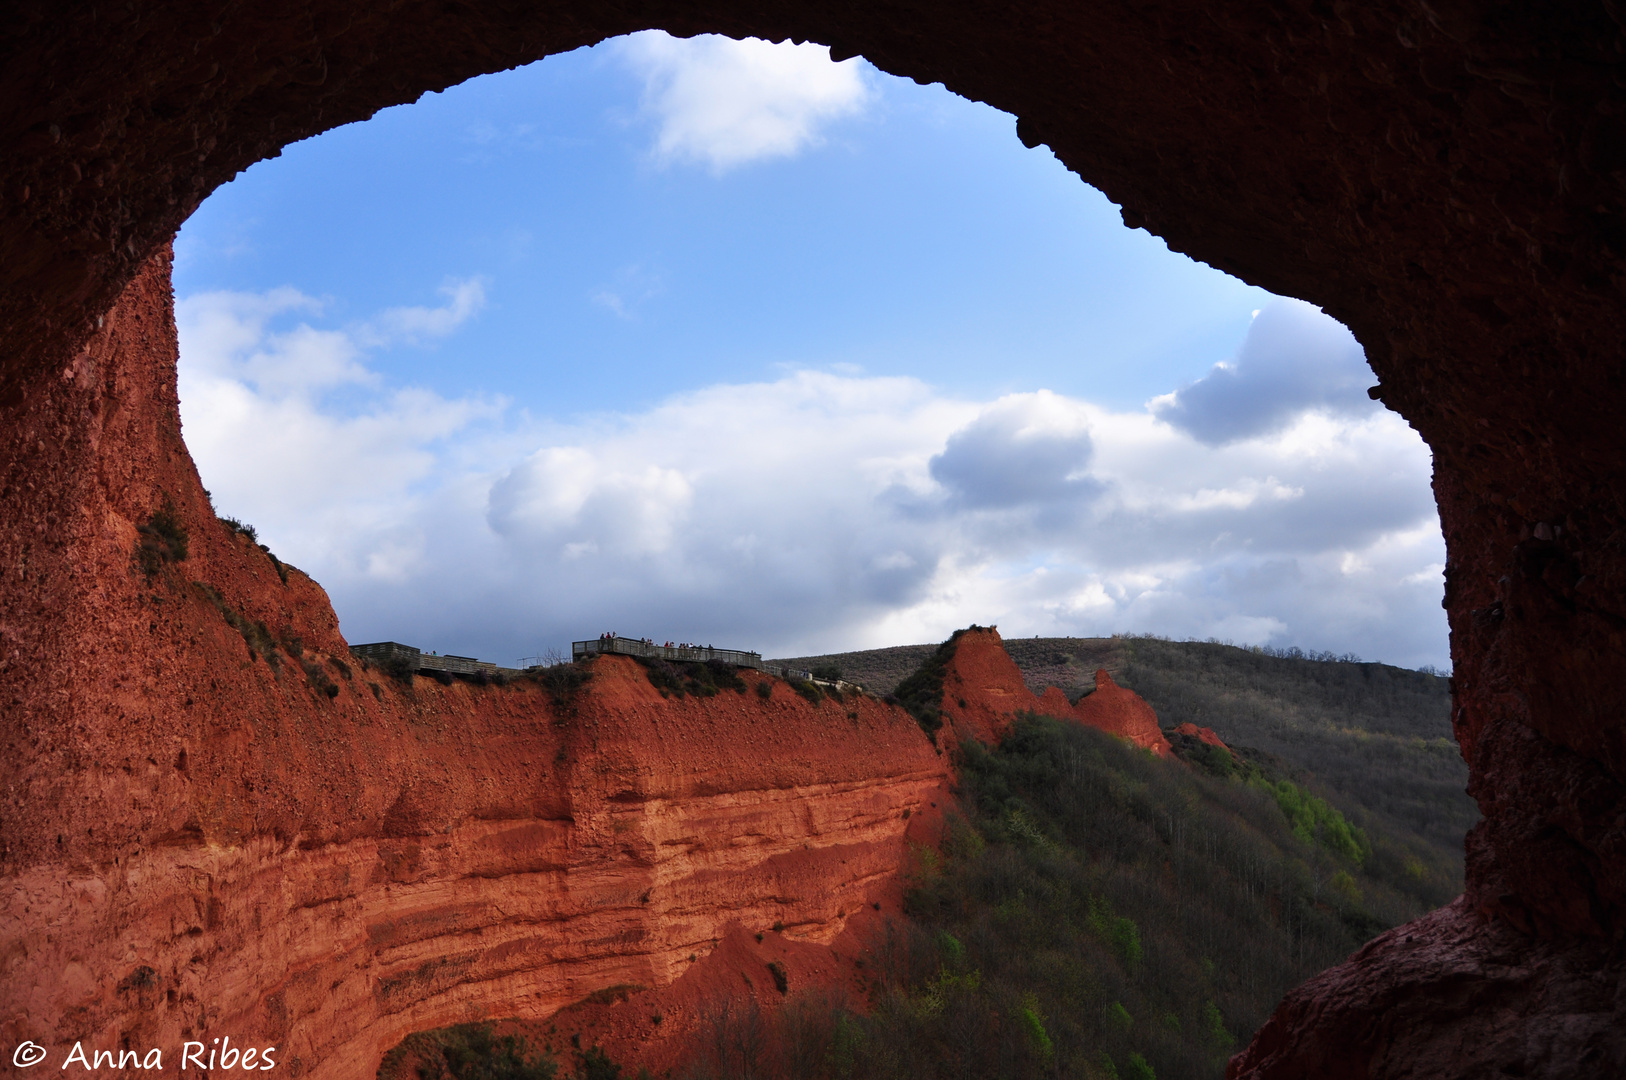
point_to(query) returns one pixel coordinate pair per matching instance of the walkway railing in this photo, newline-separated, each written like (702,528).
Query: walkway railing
(386,652)
(694,654)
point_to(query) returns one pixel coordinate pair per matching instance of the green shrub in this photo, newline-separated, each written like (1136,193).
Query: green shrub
(764,689)
(163,539)
(1214,1030)
(234,526)
(1314,821)
(1033,1025)
(1137,1069)
(699,679)
(921,694)
(809,691)
(282,570)
(724,676)
(399,668)
(318,678)
(1066,829)
(563,682)
(827,672)
(595,1064)
(261,644)
(469,1052)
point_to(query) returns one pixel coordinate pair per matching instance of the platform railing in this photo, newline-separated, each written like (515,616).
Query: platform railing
(693,654)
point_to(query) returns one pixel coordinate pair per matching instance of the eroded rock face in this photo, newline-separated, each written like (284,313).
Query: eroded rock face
(1123,713)
(983,693)
(1445,178)
(201,838)
(983,689)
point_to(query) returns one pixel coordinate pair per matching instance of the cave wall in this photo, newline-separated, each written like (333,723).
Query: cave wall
(1446,178)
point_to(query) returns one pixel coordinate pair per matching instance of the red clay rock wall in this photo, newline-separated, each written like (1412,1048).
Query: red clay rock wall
(983,688)
(983,692)
(1123,713)
(199,844)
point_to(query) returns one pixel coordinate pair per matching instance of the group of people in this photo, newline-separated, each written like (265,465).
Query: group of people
(613,636)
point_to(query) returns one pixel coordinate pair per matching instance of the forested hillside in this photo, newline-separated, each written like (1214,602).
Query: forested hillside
(1095,912)
(1375,739)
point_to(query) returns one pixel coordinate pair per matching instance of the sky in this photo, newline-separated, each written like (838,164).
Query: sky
(720,341)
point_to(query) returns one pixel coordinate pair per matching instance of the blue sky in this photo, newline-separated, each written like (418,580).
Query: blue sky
(722,341)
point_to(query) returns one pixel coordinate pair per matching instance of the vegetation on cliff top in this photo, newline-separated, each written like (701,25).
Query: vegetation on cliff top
(921,694)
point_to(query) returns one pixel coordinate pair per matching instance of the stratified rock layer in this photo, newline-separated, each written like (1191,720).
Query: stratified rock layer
(202,839)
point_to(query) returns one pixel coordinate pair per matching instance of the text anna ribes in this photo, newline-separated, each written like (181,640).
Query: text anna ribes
(217,1054)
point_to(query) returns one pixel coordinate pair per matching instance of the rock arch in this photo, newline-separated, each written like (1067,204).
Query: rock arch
(1445,178)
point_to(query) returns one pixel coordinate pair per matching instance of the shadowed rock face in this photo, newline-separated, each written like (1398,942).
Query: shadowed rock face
(1447,179)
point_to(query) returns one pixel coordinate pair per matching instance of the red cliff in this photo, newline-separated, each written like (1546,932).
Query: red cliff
(1123,713)
(216,822)
(983,692)
(982,686)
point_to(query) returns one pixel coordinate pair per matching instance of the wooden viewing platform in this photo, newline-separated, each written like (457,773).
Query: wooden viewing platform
(693,654)
(387,653)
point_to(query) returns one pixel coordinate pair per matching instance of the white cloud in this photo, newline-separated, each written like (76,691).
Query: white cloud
(816,511)
(274,451)
(721,103)
(1294,358)
(420,325)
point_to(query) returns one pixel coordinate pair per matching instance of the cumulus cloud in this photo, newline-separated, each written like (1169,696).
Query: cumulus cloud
(1294,358)
(816,511)
(275,450)
(721,103)
(1028,451)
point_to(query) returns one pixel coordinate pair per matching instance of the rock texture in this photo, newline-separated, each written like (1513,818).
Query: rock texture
(1449,179)
(983,692)
(216,823)
(982,687)
(1548,1007)
(1123,713)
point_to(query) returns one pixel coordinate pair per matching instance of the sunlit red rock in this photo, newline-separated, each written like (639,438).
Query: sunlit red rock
(1122,712)
(983,689)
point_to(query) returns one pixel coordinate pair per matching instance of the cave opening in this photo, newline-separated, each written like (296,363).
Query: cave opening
(650,230)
